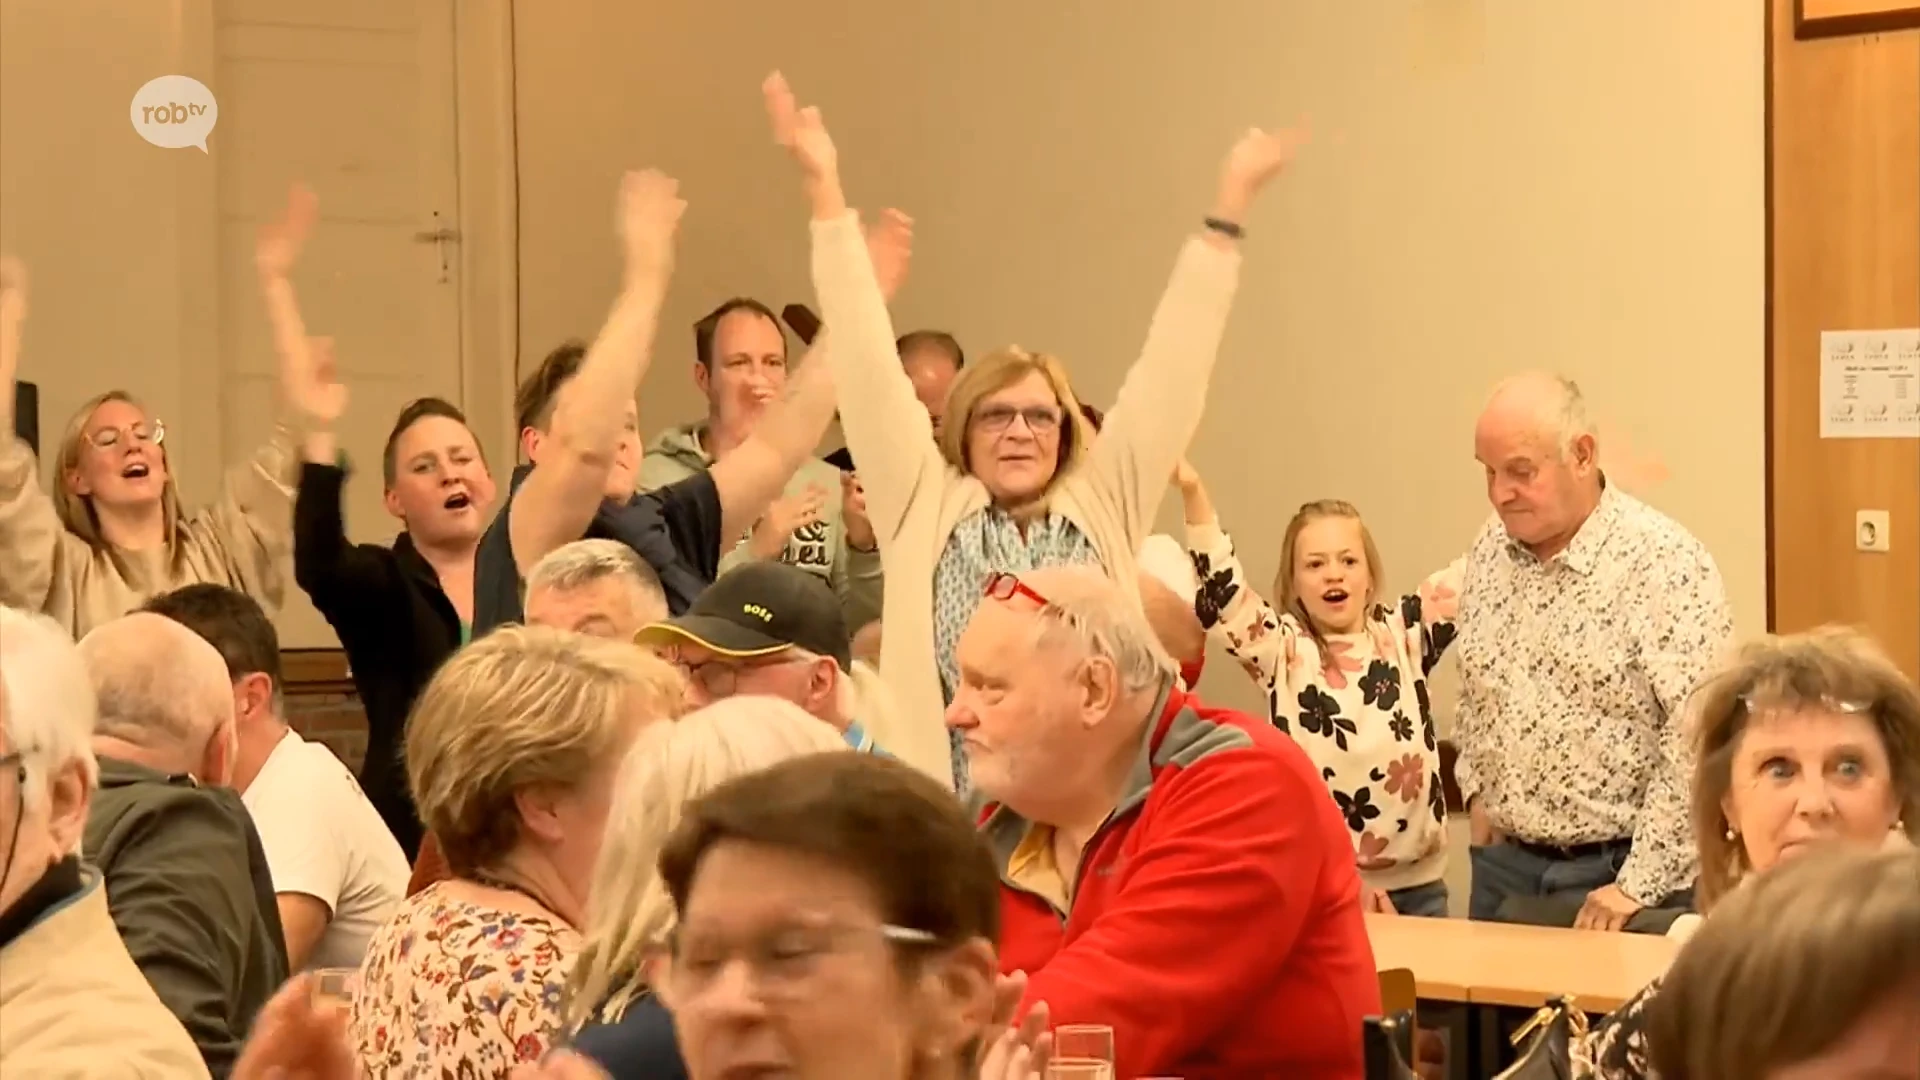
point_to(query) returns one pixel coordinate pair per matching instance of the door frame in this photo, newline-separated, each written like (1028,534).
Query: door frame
(489,225)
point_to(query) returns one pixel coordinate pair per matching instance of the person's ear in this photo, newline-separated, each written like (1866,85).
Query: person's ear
(1585,453)
(823,684)
(1098,686)
(69,797)
(216,768)
(539,812)
(253,695)
(702,378)
(391,499)
(956,999)
(530,443)
(77,483)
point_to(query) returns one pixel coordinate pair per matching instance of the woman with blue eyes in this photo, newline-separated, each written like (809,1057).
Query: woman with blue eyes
(1803,740)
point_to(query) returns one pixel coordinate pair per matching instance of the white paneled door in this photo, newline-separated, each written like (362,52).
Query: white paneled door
(357,99)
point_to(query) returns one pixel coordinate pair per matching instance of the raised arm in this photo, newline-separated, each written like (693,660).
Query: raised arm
(558,499)
(886,427)
(1160,404)
(1430,611)
(1255,635)
(352,585)
(30,531)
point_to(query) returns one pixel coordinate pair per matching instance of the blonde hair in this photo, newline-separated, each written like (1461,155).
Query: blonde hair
(995,372)
(1789,964)
(1831,667)
(76,512)
(670,765)
(1287,598)
(523,707)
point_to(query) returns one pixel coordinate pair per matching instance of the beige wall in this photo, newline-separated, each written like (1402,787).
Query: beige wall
(1494,184)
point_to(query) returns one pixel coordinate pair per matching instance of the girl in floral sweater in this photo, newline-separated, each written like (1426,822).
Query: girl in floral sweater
(1346,677)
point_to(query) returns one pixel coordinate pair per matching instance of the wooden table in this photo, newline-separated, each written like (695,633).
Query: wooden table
(1485,963)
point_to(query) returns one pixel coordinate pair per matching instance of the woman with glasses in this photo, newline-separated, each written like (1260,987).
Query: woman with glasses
(1017,480)
(114,533)
(616,1014)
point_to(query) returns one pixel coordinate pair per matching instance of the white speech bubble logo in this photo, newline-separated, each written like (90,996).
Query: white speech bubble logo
(175,111)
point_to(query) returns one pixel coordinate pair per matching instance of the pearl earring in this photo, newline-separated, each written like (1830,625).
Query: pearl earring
(1732,834)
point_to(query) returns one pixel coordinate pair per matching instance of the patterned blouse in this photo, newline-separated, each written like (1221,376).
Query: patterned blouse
(1353,708)
(989,542)
(1617,1047)
(451,989)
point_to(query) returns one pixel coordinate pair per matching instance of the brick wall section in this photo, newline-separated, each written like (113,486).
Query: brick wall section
(336,720)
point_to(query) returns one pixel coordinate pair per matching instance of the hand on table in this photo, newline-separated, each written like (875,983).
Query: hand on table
(1376,902)
(1607,908)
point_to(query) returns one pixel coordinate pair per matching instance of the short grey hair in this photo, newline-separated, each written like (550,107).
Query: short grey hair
(159,685)
(1089,611)
(50,709)
(1557,401)
(583,562)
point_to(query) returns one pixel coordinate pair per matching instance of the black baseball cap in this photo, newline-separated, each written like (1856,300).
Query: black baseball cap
(759,608)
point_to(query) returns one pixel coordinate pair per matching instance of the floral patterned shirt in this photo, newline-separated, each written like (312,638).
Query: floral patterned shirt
(1573,676)
(1351,702)
(452,989)
(1616,1049)
(990,542)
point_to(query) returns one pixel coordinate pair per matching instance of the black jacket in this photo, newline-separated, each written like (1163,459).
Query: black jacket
(394,621)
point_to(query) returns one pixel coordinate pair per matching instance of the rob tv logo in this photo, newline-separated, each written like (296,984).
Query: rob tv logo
(175,111)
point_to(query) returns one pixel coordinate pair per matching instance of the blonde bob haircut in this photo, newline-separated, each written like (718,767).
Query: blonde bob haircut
(670,766)
(1833,668)
(1787,965)
(76,511)
(995,372)
(524,707)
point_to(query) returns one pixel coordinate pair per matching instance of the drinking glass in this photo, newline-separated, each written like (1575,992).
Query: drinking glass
(1079,1069)
(335,986)
(1083,1042)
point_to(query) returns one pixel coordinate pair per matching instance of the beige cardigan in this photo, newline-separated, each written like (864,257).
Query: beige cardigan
(916,499)
(73,1005)
(242,540)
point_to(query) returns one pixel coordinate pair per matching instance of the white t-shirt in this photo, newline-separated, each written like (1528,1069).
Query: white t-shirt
(325,840)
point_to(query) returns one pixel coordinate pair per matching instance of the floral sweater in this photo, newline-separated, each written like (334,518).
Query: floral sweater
(1349,707)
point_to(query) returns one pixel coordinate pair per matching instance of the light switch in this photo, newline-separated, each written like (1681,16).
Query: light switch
(1870,531)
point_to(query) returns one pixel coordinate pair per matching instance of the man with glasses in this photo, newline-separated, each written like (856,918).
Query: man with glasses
(774,629)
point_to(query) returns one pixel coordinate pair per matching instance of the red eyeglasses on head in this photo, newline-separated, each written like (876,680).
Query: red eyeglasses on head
(1002,586)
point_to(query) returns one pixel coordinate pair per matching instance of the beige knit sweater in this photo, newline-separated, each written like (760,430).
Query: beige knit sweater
(242,539)
(916,499)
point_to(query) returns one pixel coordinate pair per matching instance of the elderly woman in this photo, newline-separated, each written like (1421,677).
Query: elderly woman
(1813,973)
(1803,740)
(115,533)
(1017,481)
(511,753)
(620,1022)
(838,914)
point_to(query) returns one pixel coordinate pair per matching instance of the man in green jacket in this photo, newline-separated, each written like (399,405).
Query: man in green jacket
(820,522)
(186,878)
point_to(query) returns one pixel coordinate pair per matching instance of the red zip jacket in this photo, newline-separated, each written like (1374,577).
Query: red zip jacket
(1216,921)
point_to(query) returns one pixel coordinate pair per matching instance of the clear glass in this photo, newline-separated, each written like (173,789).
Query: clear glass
(336,986)
(1079,1069)
(1083,1042)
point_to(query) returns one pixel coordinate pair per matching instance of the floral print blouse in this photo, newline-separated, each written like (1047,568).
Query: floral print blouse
(453,990)
(1616,1049)
(1357,704)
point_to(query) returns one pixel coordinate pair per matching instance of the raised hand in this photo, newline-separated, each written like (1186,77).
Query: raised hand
(312,386)
(890,246)
(800,130)
(13,312)
(280,241)
(854,521)
(1185,476)
(650,210)
(1256,158)
(777,526)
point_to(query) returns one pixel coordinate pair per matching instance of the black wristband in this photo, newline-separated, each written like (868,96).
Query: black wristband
(1224,227)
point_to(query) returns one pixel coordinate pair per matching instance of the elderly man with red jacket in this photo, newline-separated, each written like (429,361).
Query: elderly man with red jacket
(1172,870)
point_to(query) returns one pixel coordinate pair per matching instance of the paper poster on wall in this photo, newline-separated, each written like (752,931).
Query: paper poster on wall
(1870,384)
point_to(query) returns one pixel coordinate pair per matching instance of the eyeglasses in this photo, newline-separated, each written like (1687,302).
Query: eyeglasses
(721,678)
(1041,419)
(1002,586)
(780,964)
(151,432)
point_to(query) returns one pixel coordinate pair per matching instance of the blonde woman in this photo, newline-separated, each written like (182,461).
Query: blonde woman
(1803,741)
(1813,973)
(511,753)
(114,532)
(1016,481)
(617,1020)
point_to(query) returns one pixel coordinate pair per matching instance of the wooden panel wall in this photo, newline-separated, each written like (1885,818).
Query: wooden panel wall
(1844,253)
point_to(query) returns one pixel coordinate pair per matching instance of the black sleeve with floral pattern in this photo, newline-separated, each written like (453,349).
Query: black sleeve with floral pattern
(1616,1049)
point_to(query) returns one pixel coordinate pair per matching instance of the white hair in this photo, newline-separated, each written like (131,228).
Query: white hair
(669,766)
(583,562)
(1556,403)
(1089,611)
(49,707)
(158,684)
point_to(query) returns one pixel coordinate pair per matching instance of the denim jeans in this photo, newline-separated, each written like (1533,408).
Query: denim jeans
(1428,901)
(1506,871)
